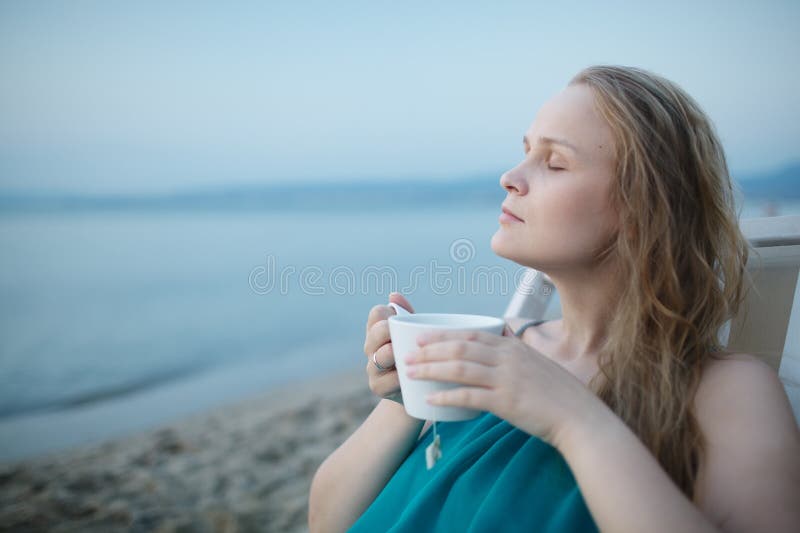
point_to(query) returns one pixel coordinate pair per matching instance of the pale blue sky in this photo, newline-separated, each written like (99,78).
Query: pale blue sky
(142,96)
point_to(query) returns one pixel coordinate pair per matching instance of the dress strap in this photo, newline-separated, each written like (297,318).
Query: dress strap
(526,325)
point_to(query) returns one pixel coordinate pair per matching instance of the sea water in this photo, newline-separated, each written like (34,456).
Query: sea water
(101,309)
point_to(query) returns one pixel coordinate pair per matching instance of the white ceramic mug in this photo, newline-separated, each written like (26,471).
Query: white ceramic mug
(403,330)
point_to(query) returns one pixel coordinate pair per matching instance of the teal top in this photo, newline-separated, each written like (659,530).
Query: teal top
(491,477)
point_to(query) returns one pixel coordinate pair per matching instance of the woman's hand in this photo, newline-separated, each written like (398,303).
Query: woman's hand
(383,383)
(505,376)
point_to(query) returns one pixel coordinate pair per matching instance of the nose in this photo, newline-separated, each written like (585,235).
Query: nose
(513,181)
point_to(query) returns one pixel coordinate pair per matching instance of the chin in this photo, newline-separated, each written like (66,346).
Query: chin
(511,249)
(502,245)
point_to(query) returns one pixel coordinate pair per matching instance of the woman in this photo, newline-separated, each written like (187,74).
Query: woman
(624,415)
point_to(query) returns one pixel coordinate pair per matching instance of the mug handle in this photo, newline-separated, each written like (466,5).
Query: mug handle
(399,309)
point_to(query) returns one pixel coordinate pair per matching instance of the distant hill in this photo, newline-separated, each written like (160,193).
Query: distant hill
(782,184)
(334,196)
(475,191)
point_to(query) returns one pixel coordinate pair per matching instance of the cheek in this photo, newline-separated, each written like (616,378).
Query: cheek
(576,219)
(571,210)
(566,223)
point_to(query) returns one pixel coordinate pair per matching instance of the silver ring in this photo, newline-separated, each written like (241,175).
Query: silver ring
(379,367)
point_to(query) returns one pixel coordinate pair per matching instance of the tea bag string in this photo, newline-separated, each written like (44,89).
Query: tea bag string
(433,452)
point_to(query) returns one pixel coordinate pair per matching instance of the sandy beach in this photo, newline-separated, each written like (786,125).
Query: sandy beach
(241,467)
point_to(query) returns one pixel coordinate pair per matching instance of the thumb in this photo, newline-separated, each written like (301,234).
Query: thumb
(507,331)
(399,299)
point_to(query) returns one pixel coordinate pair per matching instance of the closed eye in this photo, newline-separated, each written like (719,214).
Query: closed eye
(555,169)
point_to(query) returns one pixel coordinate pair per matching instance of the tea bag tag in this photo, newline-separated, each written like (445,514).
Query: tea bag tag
(433,452)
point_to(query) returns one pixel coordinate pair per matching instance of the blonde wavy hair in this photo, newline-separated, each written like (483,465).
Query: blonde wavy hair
(681,255)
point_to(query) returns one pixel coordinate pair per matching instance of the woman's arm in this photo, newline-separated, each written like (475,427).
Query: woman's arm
(623,485)
(352,476)
(750,477)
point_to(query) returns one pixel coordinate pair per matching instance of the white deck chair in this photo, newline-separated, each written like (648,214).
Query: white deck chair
(768,325)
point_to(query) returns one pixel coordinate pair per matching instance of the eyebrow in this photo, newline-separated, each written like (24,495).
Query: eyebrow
(551,140)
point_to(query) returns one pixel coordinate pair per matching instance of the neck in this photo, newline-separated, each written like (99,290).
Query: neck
(587,296)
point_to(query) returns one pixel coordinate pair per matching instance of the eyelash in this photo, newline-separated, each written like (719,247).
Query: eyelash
(554,169)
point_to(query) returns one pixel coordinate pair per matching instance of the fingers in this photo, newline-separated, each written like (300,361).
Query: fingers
(399,299)
(479,398)
(482,337)
(378,313)
(383,384)
(385,357)
(381,313)
(377,336)
(458,349)
(464,372)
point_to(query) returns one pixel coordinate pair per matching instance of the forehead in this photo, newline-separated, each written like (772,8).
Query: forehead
(571,115)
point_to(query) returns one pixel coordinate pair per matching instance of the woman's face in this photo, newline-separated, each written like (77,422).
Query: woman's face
(560,192)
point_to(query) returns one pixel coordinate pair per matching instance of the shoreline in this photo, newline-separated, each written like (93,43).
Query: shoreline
(35,434)
(243,466)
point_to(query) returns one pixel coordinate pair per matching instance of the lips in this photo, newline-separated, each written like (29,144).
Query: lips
(510,213)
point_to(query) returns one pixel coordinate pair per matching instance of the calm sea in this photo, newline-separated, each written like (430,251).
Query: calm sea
(107,307)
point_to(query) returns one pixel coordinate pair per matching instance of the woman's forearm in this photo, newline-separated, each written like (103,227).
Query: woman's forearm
(623,485)
(353,475)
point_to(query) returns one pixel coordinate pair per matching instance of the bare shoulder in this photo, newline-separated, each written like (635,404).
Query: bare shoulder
(740,395)
(741,382)
(749,478)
